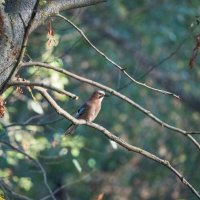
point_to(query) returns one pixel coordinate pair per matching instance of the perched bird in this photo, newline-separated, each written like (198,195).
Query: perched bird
(89,110)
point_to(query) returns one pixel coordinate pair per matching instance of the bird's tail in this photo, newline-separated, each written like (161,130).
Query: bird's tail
(71,128)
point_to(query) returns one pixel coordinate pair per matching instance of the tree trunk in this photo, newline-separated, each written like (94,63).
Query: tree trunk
(15,16)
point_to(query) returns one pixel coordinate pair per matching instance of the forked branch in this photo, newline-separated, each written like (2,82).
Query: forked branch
(36,162)
(118,140)
(122,97)
(42,85)
(122,69)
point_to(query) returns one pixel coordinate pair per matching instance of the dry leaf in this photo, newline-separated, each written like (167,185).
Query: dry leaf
(195,51)
(100,196)
(2,107)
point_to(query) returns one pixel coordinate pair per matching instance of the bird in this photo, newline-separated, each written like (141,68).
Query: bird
(89,110)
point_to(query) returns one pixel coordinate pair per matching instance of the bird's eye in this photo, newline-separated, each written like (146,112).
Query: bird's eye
(100,95)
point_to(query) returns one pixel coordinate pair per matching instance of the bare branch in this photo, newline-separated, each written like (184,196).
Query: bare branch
(36,162)
(17,195)
(165,80)
(54,7)
(118,140)
(121,96)
(33,124)
(67,185)
(123,70)
(29,84)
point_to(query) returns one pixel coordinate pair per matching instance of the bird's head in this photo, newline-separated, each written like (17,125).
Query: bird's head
(98,94)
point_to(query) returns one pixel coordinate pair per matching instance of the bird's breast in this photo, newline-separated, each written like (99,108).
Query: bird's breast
(91,111)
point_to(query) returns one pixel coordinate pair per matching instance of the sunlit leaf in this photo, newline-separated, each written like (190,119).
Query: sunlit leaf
(77,165)
(35,106)
(63,151)
(92,162)
(75,152)
(100,196)
(113,144)
(25,183)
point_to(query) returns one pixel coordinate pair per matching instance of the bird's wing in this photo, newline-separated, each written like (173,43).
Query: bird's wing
(80,110)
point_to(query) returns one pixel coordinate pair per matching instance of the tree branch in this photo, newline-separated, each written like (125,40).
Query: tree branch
(118,140)
(54,7)
(17,195)
(17,20)
(23,46)
(36,162)
(123,70)
(67,185)
(32,124)
(29,84)
(165,80)
(121,96)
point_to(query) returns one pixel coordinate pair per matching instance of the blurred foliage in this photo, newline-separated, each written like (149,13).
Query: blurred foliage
(86,163)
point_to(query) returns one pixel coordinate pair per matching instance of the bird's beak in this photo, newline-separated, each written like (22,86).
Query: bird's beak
(106,95)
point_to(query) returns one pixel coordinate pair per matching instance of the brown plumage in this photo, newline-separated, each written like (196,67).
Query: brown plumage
(89,110)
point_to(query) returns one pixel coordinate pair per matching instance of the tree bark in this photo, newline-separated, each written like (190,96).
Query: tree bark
(15,15)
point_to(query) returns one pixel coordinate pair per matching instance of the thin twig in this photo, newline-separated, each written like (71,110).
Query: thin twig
(36,162)
(17,195)
(126,45)
(121,96)
(152,67)
(67,185)
(33,124)
(123,70)
(118,140)
(30,84)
